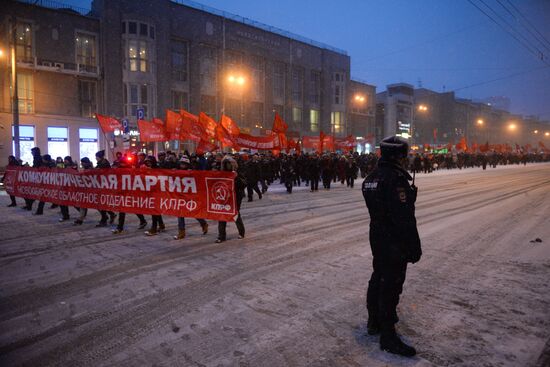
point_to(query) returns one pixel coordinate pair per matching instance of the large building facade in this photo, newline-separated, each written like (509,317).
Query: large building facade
(58,81)
(438,118)
(127,57)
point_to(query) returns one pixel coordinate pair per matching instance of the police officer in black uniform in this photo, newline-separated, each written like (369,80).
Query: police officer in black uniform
(393,238)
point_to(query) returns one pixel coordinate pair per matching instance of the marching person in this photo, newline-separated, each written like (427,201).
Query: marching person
(12,162)
(102,162)
(158,224)
(86,165)
(123,163)
(393,239)
(229,165)
(185,164)
(66,162)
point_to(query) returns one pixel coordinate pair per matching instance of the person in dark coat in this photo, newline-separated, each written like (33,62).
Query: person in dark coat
(229,164)
(351,172)
(47,162)
(185,164)
(253,174)
(12,162)
(393,239)
(36,163)
(110,216)
(157,222)
(314,168)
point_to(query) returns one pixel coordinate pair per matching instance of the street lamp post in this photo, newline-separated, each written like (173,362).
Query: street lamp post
(15,100)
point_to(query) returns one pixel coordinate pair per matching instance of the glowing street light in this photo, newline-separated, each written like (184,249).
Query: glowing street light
(480,122)
(512,127)
(422,107)
(536,131)
(236,79)
(359,98)
(547,134)
(1,53)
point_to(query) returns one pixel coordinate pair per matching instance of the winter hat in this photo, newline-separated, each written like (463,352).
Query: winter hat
(100,154)
(394,147)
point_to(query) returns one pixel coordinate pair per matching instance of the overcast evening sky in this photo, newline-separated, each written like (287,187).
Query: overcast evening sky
(444,44)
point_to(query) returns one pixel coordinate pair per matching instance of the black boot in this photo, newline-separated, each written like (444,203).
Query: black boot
(373,327)
(390,342)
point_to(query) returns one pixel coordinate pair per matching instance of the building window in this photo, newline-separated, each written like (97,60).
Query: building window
(132,27)
(233,109)
(138,55)
(208,71)
(315,87)
(233,60)
(297,85)
(25,91)
(23,42)
(86,52)
(179,60)
(314,118)
(58,142)
(179,100)
(337,122)
(338,88)
(26,142)
(257,82)
(257,115)
(87,97)
(279,83)
(137,96)
(208,105)
(88,142)
(296,115)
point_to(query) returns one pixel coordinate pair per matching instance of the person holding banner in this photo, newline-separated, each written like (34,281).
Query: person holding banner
(12,162)
(230,165)
(102,163)
(86,165)
(158,224)
(185,164)
(123,163)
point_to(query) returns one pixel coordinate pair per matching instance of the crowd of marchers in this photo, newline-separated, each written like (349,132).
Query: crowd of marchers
(255,174)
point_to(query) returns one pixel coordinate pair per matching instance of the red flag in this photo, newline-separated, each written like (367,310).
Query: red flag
(283,141)
(191,128)
(321,141)
(206,146)
(153,131)
(107,123)
(230,126)
(208,124)
(328,143)
(462,145)
(279,126)
(225,139)
(173,125)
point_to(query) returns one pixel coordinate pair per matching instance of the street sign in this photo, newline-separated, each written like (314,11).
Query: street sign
(126,125)
(140,112)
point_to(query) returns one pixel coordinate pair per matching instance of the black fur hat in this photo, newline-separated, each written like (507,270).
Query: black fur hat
(394,147)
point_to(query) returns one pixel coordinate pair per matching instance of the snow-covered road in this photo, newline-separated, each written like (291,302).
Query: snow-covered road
(292,292)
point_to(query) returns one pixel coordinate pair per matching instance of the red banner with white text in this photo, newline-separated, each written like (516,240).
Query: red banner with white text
(193,194)
(258,142)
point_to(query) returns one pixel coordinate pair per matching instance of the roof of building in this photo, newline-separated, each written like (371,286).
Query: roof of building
(52,4)
(259,25)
